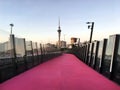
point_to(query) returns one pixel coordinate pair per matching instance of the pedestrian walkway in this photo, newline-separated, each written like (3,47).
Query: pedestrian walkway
(65,72)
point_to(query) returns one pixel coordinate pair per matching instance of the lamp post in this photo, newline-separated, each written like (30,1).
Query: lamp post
(90,26)
(11,27)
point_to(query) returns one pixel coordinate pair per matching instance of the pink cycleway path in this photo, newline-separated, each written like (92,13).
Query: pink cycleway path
(62,73)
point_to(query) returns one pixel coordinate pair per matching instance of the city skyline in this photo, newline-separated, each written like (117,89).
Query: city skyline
(37,20)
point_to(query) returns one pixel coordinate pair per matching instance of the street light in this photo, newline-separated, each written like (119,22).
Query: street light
(90,26)
(11,27)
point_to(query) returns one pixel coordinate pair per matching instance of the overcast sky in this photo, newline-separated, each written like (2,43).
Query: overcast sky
(37,20)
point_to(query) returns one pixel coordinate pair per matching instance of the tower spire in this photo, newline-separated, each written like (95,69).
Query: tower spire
(59,33)
(59,24)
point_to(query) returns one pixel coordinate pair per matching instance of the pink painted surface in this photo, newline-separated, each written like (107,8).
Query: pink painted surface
(62,73)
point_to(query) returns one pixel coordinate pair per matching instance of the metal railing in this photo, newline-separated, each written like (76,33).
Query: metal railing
(18,55)
(103,56)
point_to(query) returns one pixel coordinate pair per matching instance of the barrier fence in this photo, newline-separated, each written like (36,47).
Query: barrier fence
(18,55)
(103,56)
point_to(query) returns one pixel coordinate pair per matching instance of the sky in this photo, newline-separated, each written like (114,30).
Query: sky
(37,20)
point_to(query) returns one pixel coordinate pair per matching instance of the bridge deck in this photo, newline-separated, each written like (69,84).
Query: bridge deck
(62,73)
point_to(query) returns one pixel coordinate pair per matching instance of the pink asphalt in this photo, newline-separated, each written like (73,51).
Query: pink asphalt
(62,73)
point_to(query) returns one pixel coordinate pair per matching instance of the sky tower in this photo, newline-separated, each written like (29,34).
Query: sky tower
(59,33)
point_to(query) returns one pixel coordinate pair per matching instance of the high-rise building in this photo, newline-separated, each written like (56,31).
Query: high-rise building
(73,40)
(63,44)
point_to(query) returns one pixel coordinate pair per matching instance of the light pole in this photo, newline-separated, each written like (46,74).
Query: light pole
(11,27)
(90,26)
